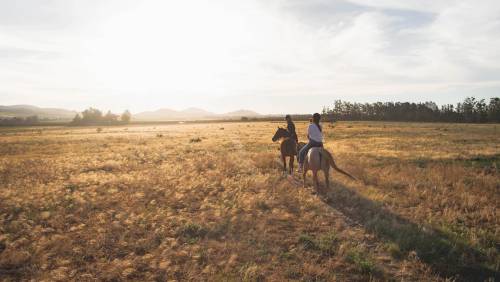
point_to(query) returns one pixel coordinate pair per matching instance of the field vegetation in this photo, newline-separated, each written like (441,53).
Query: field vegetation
(209,202)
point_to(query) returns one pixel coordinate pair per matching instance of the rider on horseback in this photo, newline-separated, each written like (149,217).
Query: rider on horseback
(315,136)
(291,128)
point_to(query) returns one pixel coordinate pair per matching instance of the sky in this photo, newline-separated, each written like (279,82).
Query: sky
(270,56)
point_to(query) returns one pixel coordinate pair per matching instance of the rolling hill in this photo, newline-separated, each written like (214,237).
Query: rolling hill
(162,114)
(190,113)
(28,110)
(242,113)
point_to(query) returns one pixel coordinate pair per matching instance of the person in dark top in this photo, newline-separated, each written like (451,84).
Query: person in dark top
(291,128)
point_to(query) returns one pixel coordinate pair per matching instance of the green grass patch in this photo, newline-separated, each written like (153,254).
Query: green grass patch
(192,232)
(361,260)
(327,244)
(287,255)
(307,242)
(394,250)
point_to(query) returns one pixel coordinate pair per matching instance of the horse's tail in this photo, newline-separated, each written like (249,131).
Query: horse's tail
(329,156)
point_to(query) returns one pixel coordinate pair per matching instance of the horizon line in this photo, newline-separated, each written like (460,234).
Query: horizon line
(242,109)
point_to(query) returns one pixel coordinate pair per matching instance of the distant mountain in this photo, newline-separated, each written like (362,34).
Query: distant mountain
(163,114)
(197,112)
(169,114)
(242,113)
(28,110)
(190,114)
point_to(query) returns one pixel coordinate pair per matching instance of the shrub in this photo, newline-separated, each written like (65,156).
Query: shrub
(328,243)
(307,242)
(192,231)
(395,251)
(361,260)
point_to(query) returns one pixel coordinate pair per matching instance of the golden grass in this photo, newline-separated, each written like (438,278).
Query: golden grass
(209,202)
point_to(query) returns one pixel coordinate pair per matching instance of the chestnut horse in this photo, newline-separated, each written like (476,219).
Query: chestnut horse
(288,147)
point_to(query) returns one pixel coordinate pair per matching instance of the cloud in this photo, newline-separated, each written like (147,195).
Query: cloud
(430,6)
(356,49)
(448,42)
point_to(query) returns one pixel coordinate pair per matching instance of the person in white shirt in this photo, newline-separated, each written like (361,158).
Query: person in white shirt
(315,136)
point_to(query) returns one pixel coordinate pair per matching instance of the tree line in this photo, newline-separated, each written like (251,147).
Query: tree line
(94,116)
(470,110)
(31,120)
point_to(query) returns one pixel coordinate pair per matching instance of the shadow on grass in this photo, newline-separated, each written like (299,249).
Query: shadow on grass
(447,255)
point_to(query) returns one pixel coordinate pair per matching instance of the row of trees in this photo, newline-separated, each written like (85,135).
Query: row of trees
(31,120)
(470,110)
(95,116)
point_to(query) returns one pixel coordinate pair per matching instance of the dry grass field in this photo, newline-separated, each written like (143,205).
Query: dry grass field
(209,202)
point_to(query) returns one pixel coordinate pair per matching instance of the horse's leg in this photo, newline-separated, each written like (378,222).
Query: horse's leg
(284,163)
(327,179)
(292,158)
(304,173)
(315,179)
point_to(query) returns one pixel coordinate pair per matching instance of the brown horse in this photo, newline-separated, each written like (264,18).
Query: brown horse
(288,147)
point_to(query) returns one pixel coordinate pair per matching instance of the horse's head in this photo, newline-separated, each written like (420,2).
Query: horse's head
(280,133)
